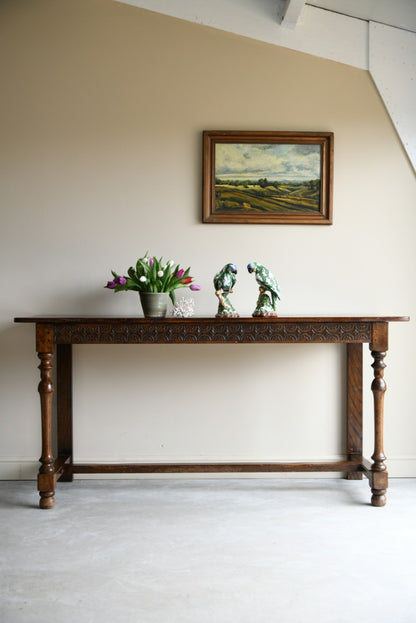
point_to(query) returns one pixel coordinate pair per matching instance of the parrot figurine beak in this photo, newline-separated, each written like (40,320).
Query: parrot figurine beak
(251,267)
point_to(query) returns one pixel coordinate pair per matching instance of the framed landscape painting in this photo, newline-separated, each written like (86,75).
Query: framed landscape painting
(267,177)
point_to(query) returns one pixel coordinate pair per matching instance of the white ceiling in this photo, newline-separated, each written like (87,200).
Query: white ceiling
(396,13)
(375,35)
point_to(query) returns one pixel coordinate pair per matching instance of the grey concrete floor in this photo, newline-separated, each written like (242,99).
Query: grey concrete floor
(215,551)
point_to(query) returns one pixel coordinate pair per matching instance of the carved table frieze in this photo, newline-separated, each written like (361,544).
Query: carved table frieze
(215,331)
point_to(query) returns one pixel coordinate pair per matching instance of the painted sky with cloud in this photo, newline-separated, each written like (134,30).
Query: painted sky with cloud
(291,163)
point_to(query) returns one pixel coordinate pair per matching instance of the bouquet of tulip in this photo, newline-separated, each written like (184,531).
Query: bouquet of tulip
(152,275)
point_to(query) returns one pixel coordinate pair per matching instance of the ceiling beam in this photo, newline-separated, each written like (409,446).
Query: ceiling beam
(291,12)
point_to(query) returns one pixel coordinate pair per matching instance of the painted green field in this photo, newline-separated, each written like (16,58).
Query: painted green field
(276,198)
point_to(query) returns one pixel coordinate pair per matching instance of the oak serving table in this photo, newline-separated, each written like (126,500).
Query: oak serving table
(55,335)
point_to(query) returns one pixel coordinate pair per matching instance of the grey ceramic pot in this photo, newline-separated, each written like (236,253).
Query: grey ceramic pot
(154,304)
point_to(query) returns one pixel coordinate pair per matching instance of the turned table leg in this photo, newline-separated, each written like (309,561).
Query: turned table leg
(379,475)
(46,476)
(379,480)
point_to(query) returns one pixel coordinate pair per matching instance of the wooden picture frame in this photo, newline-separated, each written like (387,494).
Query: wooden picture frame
(267,177)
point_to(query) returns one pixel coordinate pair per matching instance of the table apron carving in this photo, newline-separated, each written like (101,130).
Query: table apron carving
(213,333)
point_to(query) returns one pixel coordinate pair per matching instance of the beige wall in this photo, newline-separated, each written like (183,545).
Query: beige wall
(102,110)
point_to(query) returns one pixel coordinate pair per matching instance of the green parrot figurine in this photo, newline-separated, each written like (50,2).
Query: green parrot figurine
(224,282)
(268,288)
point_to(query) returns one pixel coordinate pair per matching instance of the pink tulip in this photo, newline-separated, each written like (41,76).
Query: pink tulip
(195,287)
(180,273)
